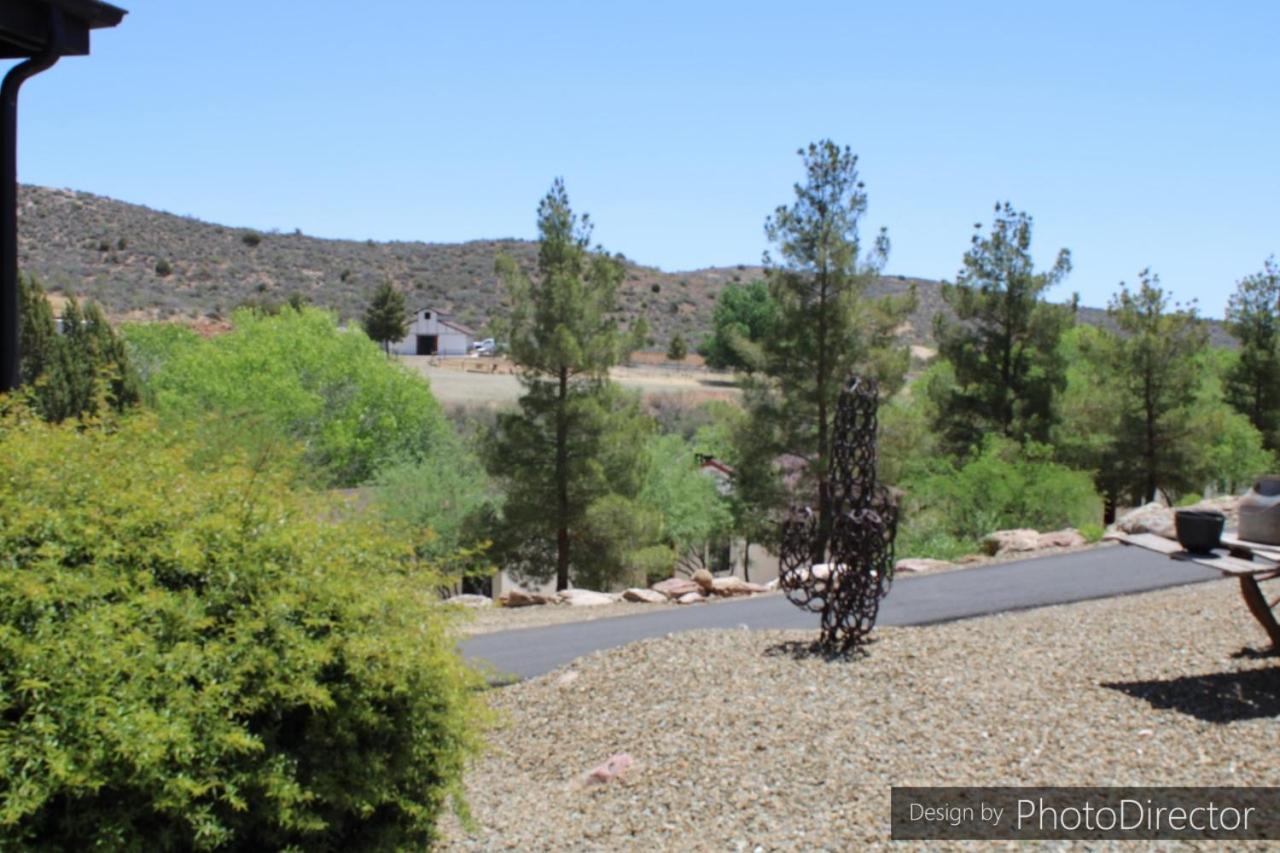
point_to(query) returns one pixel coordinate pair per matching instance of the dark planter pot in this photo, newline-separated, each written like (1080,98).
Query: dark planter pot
(1199,530)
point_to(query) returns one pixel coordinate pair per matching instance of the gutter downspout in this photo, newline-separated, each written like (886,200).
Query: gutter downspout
(10,353)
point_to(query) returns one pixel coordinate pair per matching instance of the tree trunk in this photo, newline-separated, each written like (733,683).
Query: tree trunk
(746,560)
(819,553)
(562,484)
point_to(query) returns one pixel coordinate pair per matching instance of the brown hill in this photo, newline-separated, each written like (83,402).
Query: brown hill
(140,262)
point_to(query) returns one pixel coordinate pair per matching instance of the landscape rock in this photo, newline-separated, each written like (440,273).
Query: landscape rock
(1007,541)
(470,600)
(735,586)
(703,579)
(585,598)
(644,596)
(1152,518)
(1228,505)
(920,564)
(520,598)
(615,768)
(1066,538)
(771,585)
(691,598)
(675,587)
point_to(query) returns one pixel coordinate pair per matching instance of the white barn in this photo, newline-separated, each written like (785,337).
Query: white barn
(433,333)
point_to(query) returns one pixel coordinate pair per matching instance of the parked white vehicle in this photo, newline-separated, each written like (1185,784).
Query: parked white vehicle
(484,347)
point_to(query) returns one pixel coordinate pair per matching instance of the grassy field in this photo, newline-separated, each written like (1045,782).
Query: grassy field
(465,381)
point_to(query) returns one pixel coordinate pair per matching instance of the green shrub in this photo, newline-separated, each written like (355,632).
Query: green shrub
(251,239)
(1003,487)
(192,659)
(294,376)
(163,268)
(1092,531)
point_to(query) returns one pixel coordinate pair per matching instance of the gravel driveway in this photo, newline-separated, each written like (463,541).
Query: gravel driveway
(743,741)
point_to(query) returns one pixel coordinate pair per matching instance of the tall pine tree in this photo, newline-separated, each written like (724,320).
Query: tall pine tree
(1003,343)
(575,439)
(825,327)
(1152,366)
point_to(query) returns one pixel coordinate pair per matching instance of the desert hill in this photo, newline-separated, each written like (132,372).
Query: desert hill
(139,262)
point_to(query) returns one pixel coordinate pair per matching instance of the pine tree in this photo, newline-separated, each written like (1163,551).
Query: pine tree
(575,440)
(1154,381)
(826,327)
(677,349)
(385,320)
(71,374)
(1253,384)
(1003,343)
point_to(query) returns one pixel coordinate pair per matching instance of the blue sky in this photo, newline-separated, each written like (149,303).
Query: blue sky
(1137,134)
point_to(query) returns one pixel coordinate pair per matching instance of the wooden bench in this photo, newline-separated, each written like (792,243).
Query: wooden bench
(1248,562)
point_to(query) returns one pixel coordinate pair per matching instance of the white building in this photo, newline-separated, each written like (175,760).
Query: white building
(433,333)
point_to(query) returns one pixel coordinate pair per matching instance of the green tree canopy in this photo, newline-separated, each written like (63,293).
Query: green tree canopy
(295,377)
(1253,316)
(1003,343)
(744,318)
(385,318)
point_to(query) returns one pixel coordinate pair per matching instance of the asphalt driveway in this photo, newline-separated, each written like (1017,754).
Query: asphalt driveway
(913,600)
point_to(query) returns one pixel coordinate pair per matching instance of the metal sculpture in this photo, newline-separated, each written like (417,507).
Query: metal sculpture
(843,571)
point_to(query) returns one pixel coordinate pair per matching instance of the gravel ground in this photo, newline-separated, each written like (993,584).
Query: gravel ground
(744,741)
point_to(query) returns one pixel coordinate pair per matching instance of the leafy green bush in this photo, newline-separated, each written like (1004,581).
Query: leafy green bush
(199,659)
(1003,487)
(294,376)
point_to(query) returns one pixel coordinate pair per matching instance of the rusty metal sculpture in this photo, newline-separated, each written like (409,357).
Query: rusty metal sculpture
(845,571)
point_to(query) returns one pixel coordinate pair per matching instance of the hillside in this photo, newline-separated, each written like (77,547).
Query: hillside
(145,263)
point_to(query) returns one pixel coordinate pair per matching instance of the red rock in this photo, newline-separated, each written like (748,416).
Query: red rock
(676,587)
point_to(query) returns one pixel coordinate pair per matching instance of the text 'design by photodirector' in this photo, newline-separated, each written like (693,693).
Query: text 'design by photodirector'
(1098,813)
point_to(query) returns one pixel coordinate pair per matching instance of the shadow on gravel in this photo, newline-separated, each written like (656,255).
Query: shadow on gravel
(801,650)
(1224,697)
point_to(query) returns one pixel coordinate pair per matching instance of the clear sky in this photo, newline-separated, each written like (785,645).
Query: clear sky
(1137,134)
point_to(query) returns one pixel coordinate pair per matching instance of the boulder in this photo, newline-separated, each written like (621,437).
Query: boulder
(644,596)
(1228,505)
(1152,518)
(519,598)
(584,598)
(734,586)
(1066,538)
(703,579)
(691,598)
(1010,541)
(676,587)
(470,600)
(920,564)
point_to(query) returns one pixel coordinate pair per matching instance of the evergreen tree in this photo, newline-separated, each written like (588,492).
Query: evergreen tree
(1003,344)
(575,440)
(71,374)
(1253,384)
(677,349)
(385,320)
(826,328)
(1153,372)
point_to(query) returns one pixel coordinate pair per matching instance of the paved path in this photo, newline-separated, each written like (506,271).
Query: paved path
(913,600)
